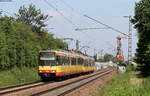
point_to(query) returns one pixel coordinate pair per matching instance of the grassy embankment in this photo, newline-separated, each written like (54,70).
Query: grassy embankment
(128,84)
(17,76)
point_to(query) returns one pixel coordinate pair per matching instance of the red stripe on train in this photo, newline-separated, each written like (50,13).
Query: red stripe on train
(47,71)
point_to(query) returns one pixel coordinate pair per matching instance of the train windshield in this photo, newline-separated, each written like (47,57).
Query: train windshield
(47,63)
(47,59)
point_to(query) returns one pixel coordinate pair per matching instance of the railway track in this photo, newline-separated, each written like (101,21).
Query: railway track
(71,86)
(15,88)
(52,88)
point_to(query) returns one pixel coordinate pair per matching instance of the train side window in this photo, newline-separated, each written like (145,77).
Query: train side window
(93,63)
(70,60)
(73,61)
(61,60)
(85,62)
(88,62)
(82,61)
(58,60)
(66,60)
(79,61)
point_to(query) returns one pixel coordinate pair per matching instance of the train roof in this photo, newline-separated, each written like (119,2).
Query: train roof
(72,53)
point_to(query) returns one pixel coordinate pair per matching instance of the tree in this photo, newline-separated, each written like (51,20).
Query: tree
(5,29)
(107,57)
(20,43)
(141,22)
(32,16)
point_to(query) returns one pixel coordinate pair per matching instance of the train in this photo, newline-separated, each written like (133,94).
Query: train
(62,63)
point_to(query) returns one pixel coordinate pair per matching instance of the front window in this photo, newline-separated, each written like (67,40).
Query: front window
(47,59)
(47,63)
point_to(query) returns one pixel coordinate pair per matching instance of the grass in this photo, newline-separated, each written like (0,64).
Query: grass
(127,84)
(17,76)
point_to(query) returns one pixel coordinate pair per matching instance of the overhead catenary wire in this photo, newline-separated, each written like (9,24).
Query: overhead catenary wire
(72,9)
(67,19)
(78,13)
(116,30)
(74,25)
(82,29)
(61,14)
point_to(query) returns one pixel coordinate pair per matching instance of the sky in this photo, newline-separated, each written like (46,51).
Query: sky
(67,15)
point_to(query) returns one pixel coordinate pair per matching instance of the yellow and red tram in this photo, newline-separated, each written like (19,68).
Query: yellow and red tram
(59,63)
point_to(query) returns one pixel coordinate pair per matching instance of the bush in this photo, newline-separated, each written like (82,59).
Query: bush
(17,76)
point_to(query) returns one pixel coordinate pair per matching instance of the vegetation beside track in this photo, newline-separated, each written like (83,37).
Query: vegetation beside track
(22,37)
(128,84)
(17,76)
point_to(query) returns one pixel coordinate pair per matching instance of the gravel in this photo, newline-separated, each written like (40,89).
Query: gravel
(93,88)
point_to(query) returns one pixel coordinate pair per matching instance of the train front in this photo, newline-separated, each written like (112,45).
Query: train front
(47,65)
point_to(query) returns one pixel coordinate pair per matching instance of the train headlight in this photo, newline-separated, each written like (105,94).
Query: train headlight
(40,71)
(53,71)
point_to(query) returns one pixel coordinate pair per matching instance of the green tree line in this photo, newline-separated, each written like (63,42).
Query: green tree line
(22,36)
(107,57)
(141,22)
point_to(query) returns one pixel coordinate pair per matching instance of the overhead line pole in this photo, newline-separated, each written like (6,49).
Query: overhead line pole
(129,35)
(129,41)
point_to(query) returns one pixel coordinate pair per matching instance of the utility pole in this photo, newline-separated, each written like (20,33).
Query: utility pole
(129,40)
(101,53)
(71,39)
(77,44)
(95,55)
